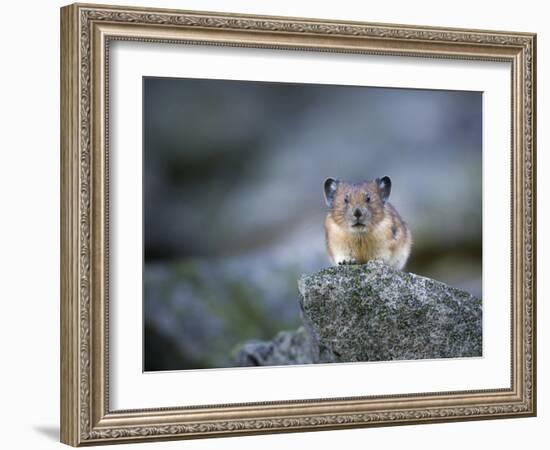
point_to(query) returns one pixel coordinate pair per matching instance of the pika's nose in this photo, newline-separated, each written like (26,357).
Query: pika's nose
(357,213)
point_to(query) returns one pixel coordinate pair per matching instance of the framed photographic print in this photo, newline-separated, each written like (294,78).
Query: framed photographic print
(275,224)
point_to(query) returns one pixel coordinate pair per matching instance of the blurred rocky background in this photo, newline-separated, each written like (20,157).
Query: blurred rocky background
(233,203)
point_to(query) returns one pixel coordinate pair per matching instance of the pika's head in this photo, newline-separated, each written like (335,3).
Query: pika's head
(357,206)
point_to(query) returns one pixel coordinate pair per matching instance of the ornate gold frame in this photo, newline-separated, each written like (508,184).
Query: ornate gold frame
(86,31)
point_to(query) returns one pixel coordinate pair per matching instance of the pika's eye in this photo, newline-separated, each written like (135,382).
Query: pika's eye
(367,198)
(346,199)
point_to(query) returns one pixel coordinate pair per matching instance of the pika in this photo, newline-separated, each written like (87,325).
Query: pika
(361,225)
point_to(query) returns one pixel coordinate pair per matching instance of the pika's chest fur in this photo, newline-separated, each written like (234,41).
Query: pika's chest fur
(358,246)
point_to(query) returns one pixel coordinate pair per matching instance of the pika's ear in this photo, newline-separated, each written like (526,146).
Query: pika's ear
(330,187)
(384,185)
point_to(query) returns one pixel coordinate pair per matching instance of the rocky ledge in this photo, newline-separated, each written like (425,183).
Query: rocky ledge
(373,312)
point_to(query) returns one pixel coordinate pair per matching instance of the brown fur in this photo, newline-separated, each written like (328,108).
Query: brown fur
(385,235)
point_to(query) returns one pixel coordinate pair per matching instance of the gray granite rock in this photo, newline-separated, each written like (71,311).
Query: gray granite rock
(288,347)
(373,312)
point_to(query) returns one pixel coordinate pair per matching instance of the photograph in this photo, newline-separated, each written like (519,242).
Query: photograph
(296,223)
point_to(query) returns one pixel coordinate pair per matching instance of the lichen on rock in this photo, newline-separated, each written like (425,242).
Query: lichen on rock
(374,312)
